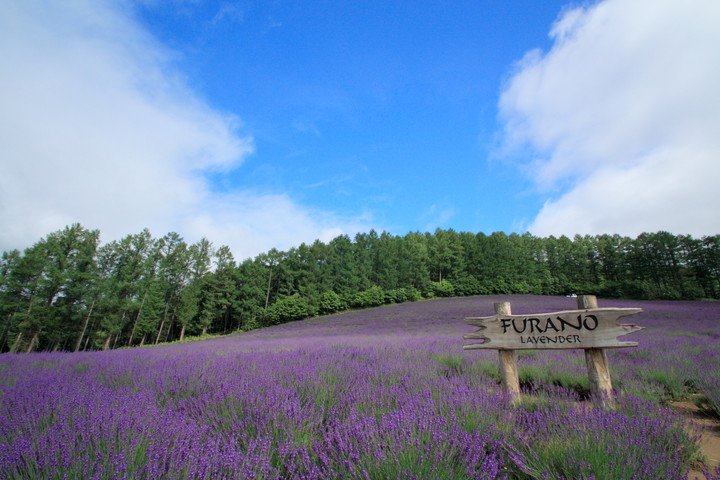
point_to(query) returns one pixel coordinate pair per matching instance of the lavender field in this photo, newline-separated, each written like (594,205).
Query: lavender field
(382,393)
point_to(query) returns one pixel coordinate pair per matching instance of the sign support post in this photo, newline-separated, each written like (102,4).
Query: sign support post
(508,361)
(596,360)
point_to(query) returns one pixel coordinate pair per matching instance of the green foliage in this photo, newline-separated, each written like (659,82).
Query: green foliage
(556,457)
(151,312)
(672,380)
(189,303)
(442,289)
(66,293)
(467,286)
(453,363)
(287,309)
(402,295)
(372,297)
(331,302)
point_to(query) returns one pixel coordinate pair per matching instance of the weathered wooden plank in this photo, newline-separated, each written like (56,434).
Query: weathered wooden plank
(568,329)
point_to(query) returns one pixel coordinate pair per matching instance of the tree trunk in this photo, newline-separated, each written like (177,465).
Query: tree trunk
(170,325)
(106,345)
(16,344)
(142,341)
(162,324)
(137,319)
(5,334)
(182,332)
(33,341)
(117,335)
(225,323)
(157,337)
(87,319)
(267,295)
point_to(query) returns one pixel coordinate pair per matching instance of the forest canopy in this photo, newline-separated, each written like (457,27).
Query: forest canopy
(69,292)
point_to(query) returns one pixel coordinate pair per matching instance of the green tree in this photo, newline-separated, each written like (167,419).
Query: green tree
(612,253)
(343,267)
(445,255)
(702,260)
(9,293)
(271,261)
(710,258)
(20,296)
(387,262)
(413,262)
(217,292)
(55,281)
(173,271)
(250,294)
(189,306)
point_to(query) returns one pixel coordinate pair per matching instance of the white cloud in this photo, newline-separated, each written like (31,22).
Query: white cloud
(97,127)
(624,114)
(255,222)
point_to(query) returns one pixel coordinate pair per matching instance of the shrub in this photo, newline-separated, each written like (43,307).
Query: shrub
(468,286)
(443,289)
(331,302)
(289,308)
(395,296)
(402,295)
(372,297)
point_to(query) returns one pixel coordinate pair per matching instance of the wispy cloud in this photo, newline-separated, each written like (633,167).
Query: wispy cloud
(98,127)
(306,126)
(437,216)
(623,115)
(229,12)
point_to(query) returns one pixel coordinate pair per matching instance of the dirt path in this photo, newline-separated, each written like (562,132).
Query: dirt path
(709,436)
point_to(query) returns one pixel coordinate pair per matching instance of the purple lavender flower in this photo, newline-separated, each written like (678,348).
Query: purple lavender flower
(380,393)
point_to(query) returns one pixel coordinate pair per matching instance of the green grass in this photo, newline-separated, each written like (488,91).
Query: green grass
(672,380)
(576,455)
(452,362)
(534,376)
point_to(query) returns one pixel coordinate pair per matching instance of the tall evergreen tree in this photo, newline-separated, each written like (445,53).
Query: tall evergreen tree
(66,293)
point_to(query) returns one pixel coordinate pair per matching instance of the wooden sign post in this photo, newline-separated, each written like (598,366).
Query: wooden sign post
(590,328)
(508,360)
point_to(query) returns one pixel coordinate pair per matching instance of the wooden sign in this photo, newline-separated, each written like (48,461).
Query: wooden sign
(570,329)
(590,328)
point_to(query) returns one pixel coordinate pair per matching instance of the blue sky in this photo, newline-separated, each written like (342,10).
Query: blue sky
(379,110)
(268,124)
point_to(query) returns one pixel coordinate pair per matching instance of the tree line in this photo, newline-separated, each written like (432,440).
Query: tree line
(69,292)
